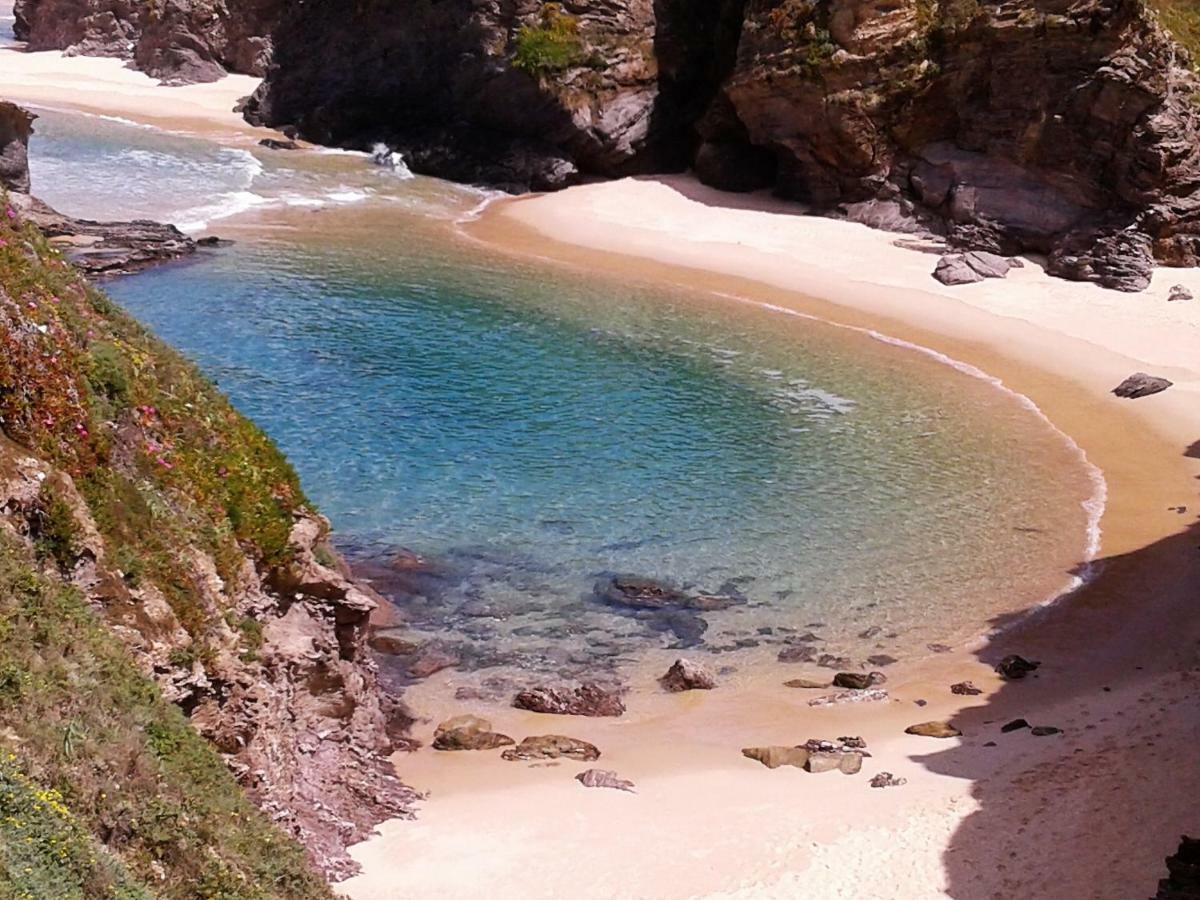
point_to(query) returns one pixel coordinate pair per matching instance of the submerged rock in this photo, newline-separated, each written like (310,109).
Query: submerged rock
(1140,385)
(604,778)
(552,746)
(1014,668)
(933,729)
(686,675)
(647,593)
(796,653)
(468,733)
(586,700)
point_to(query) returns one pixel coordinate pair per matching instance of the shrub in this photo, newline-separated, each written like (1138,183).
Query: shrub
(551,46)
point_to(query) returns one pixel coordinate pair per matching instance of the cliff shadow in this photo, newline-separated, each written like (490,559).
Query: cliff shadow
(1097,807)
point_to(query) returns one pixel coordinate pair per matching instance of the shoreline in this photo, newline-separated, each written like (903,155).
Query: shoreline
(534,832)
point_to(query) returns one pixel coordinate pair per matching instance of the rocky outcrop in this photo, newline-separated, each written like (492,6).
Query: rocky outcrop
(1062,128)
(97,248)
(522,95)
(178,41)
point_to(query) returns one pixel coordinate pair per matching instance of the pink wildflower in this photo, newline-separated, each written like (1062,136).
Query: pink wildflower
(11,213)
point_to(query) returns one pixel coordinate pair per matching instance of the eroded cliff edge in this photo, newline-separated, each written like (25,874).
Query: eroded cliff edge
(1063,127)
(161,576)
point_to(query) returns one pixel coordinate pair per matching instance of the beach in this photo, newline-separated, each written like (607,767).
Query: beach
(1087,812)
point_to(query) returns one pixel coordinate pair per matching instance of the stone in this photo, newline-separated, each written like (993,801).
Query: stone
(848,763)
(806,684)
(686,675)
(953,270)
(1140,385)
(1044,730)
(933,729)
(776,756)
(468,733)
(796,653)
(881,659)
(552,746)
(853,742)
(887,779)
(1014,725)
(1014,668)
(431,660)
(1183,872)
(392,643)
(588,699)
(604,778)
(858,681)
(965,689)
(1178,293)
(277,144)
(829,661)
(853,696)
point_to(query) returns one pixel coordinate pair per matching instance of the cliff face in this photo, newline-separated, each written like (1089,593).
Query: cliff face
(138,505)
(1066,127)
(520,94)
(178,41)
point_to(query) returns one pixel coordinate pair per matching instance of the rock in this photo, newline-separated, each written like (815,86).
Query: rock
(933,729)
(1183,872)
(687,627)
(686,675)
(829,661)
(431,660)
(970,267)
(848,763)
(604,778)
(938,648)
(1014,668)
(277,144)
(853,742)
(796,653)
(1139,385)
(1014,725)
(858,681)
(1179,292)
(16,125)
(807,684)
(1121,260)
(392,642)
(852,696)
(1044,730)
(774,757)
(965,689)
(586,700)
(881,659)
(468,733)
(873,631)
(887,779)
(647,593)
(552,746)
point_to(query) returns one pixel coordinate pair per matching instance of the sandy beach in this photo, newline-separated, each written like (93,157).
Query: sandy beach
(1089,812)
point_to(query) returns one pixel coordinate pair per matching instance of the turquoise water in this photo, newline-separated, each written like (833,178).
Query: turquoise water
(529,429)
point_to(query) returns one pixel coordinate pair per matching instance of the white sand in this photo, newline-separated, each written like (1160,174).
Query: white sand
(1090,813)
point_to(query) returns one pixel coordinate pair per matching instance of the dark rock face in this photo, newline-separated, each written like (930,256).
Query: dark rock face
(16,125)
(585,700)
(452,86)
(178,41)
(1060,128)
(1183,873)
(1140,384)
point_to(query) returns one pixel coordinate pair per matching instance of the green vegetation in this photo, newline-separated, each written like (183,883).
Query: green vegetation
(551,46)
(1182,19)
(105,789)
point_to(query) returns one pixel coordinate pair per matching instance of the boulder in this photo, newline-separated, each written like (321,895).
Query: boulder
(965,689)
(586,700)
(552,746)
(970,267)
(686,675)
(1014,668)
(468,733)
(604,778)
(858,681)
(807,684)
(848,763)
(887,779)
(776,756)
(1014,725)
(1179,292)
(1140,384)
(933,729)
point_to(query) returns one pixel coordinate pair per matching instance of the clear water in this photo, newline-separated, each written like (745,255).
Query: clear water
(7,38)
(529,429)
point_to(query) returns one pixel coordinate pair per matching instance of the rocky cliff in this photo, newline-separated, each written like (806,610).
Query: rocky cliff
(160,568)
(1065,127)
(178,41)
